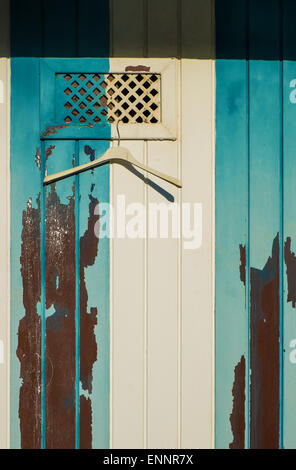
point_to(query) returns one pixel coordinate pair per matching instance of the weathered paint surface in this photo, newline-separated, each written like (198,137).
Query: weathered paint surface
(60,325)
(29,331)
(237,417)
(264,353)
(249,220)
(68,229)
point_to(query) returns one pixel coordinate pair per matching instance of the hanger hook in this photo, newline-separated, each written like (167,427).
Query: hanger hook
(118,134)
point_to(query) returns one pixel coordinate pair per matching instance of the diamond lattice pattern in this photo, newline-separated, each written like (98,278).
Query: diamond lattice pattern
(132,98)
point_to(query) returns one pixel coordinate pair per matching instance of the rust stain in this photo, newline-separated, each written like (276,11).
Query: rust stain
(290,260)
(242,268)
(88,320)
(60,325)
(54,129)
(137,68)
(29,331)
(237,417)
(49,151)
(265,353)
(60,243)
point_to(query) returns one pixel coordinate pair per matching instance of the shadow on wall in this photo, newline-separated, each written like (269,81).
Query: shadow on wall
(149,28)
(109,28)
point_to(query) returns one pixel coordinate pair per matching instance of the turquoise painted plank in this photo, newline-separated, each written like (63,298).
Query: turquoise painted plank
(231,248)
(60,299)
(289,238)
(265,78)
(265,210)
(289,229)
(94,309)
(25,184)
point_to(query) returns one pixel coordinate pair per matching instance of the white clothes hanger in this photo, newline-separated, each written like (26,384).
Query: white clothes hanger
(112,155)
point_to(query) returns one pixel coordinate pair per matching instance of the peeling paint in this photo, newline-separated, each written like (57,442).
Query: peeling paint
(237,417)
(290,260)
(88,320)
(49,151)
(242,268)
(265,353)
(60,325)
(38,158)
(54,129)
(29,331)
(137,68)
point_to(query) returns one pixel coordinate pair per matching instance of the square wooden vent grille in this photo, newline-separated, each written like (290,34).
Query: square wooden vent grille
(94,98)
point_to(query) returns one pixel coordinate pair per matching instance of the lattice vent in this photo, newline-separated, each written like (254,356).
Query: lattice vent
(132,98)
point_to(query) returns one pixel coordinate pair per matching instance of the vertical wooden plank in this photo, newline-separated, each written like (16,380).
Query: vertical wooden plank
(60,28)
(26,28)
(289,232)
(197,29)
(60,287)
(265,236)
(196,270)
(25,255)
(162,302)
(94,301)
(127,31)
(231,299)
(93,28)
(5,244)
(230,25)
(5,28)
(128,312)
(163,28)
(231,246)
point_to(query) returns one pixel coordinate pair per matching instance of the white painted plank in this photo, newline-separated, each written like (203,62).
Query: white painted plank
(197,265)
(162,311)
(4,252)
(127,322)
(126,28)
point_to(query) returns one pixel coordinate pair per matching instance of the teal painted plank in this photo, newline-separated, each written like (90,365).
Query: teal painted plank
(25,189)
(231,250)
(265,78)
(94,299)
(289,238)
(289,229)
(265,220)
(60,299)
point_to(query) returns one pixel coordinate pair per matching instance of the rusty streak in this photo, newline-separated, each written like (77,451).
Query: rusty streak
(54,129)
(29,332)
(290,260)
(49,151)
(264,353)
(242,268)
(237,417)
(88,320)
(137,68)
(60,325)
(60,285)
